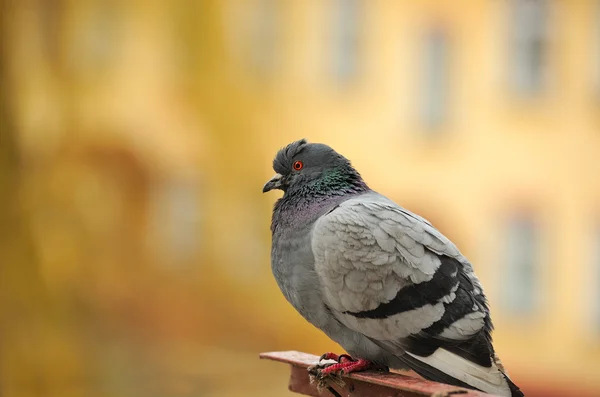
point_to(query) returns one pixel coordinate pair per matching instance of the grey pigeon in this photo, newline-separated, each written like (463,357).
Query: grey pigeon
(377,279)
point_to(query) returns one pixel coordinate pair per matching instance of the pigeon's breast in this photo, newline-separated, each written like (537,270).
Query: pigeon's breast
(293,266)
(292,262)
(293,223)
(292,258)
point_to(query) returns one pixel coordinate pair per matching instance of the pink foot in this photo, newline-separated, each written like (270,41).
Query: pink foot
(346,366)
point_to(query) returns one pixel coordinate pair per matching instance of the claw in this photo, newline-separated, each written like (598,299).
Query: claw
(344,358)
(339,358)
(330,356)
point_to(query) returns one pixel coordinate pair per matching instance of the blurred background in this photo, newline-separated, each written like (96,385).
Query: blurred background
(135,137)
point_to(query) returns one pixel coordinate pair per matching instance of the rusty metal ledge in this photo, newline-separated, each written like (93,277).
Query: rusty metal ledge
(363,384)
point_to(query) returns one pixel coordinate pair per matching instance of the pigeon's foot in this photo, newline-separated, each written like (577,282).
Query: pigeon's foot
(322,373)
(346,366)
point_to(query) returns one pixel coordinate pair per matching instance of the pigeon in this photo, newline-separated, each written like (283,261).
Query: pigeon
(379,280)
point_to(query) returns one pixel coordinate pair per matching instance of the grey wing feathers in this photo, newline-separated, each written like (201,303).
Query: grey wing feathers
(392,277)
(377,261)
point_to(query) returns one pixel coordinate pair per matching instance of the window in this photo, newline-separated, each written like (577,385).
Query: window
(49,24)
(435,79)
(264,33)
(346,15)
(519,287)
(94,39)
(596,42)
(595,276)
(187,27)
(254,32)
(529,45)
(175,217)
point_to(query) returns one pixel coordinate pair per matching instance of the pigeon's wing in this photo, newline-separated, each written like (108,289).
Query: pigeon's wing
(390,275)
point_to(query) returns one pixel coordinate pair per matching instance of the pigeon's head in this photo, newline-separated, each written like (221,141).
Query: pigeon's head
(314,166)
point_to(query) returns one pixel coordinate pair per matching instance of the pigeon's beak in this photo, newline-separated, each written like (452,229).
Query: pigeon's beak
(274,183)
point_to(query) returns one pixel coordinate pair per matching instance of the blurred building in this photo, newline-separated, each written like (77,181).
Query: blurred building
(147,129)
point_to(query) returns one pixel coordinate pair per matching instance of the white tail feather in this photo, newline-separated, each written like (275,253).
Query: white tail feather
(489,380)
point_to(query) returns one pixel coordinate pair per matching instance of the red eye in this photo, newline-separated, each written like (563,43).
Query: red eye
(298,165)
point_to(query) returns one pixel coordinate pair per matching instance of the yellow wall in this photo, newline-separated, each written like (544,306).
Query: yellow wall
(110,111)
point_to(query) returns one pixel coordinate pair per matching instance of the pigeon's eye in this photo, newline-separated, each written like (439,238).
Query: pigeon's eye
(298,165)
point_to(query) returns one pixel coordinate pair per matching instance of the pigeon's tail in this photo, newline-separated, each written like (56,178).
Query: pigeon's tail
(514,389)
(447,367)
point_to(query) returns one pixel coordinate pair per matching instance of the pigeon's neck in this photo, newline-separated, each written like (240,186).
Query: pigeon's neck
(305,204)
(297,212)
(341,181)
